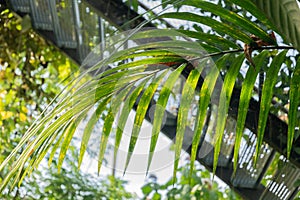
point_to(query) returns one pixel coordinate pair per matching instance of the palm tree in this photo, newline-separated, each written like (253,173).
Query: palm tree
(144,65)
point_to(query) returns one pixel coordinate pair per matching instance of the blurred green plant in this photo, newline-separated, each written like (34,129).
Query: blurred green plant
(31,74)
(199,186)
(69,184)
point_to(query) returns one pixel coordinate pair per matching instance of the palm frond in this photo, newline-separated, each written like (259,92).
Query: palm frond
(185,103)
(88,130)
(285,15)
(141,110)
(160,109)
(127,107)
(224,102)
(237,22)
(250,7)
(216,25)
(131,77)
(206,92)
(245,97)
(266,97)
(294,103)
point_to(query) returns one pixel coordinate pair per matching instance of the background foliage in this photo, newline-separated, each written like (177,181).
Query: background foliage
(199,186)
(31,74)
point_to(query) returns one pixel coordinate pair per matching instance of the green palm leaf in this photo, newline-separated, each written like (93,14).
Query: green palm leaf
(54,148)
(141,112)
(216,25)
(294,103)
(109,119)
(66,143)
(233,18)
(224,102)
(212,40)
(251,7)
(285,15)
(185,104)
(266,97)
(160,109)
(245,97)
(89,128)
(205,97)
(128,105)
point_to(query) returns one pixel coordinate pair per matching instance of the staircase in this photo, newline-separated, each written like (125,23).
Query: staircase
(70,24)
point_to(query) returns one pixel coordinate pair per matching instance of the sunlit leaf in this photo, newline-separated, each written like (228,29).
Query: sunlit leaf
(141,110)
(294,103)
(89,128)
(266,98)
(285,15)
(205,97)
(217,26)
(54,148)
(224,102)
(127,106)
(210,39)
(245,97)
(187,96)
(251,7)
(160,109)
(109,119)
(140,70)
(232,17)
(69,132)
